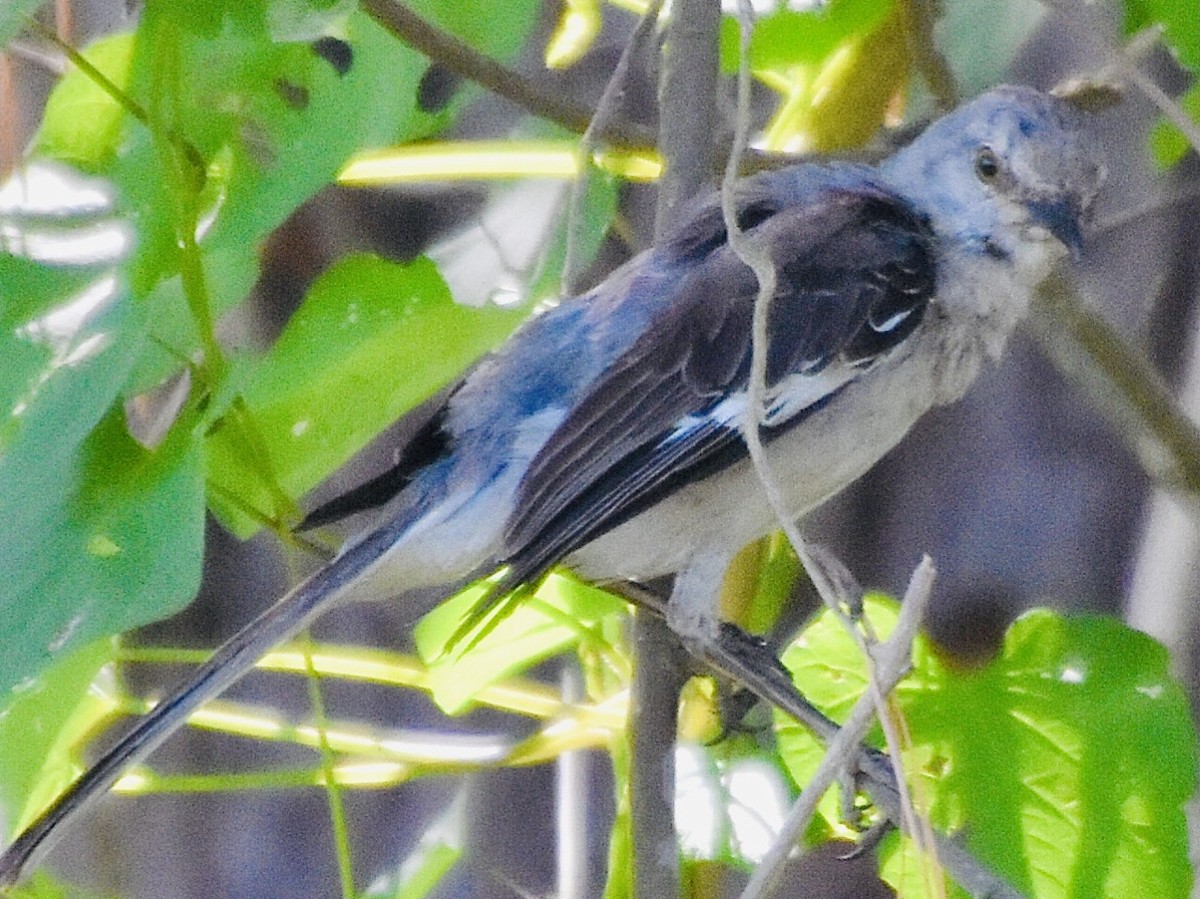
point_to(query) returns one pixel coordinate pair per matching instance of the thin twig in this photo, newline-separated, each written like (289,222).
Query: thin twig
(929,60)
(603,118)
(891,663)
(1125,61)
(462,59)
(759,259)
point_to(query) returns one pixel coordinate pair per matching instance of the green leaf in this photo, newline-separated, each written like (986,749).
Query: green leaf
(68,337)
(787,38)
(837,69)
(113,540)
(1167,142)
(43,886)
(563,612)
(82,123)
(1063,764)
(372,340)
(80,548)
(44,730)
(298,119)
(578,25)
(475,22)
(1180,23)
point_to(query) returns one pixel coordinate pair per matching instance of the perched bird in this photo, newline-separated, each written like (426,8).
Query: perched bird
(605,434)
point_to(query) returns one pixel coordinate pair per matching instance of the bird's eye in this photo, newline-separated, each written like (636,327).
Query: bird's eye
(987,166)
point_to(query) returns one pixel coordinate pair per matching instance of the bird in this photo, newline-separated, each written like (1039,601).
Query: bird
(606,433)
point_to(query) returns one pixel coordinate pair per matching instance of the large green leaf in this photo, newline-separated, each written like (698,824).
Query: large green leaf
(237,119)
(1064,764)
(113,541)
(372,340)
(98,533)
(271,115)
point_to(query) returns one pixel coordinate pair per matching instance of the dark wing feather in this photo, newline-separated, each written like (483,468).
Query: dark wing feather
(427,445)
(856,270)
(626,489)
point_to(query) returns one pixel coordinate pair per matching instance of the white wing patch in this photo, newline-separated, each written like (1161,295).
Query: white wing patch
(788,398)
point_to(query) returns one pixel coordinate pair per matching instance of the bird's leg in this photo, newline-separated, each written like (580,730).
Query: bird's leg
(694,612)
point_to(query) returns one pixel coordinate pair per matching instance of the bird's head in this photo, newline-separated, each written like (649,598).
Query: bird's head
(1011,175)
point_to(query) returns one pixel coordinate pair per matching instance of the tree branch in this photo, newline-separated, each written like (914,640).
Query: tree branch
(687,94)
(462,59)
(1120,383)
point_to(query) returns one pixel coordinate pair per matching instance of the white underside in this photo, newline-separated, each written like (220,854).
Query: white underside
(715,517)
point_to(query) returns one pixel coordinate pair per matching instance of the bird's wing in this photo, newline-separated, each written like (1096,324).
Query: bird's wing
(429,443)
(856,269)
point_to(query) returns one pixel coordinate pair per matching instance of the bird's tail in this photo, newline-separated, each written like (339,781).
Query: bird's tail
(228,664)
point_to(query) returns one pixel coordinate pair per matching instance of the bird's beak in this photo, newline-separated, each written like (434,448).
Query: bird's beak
(1060,218)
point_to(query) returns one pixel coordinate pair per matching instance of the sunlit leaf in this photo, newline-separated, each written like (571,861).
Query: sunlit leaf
(487,160)
(838,69)
(82,122)
(43,731)
(577,27)
(1064,764)
(787,37)
(561,614)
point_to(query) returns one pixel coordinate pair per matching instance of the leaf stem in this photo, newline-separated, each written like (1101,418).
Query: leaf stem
(333,789)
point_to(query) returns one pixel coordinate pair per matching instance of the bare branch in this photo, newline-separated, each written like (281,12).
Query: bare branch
(462,59)
(928,59)
(891,663)
(687,92)
(603,118)
(1121,383)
